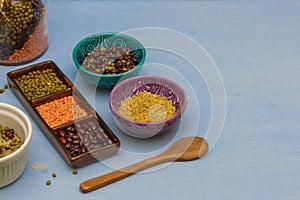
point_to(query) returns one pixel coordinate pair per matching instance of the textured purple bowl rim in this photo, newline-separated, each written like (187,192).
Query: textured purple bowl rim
(137,78)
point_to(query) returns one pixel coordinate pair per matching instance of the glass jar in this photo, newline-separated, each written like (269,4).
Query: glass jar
(23,31)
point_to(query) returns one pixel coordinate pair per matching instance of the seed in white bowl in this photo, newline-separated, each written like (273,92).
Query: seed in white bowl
(10,141)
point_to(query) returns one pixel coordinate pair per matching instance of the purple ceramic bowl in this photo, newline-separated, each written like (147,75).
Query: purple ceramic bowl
(156,85)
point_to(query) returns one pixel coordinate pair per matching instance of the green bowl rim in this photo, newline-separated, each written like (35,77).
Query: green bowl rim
(79,66)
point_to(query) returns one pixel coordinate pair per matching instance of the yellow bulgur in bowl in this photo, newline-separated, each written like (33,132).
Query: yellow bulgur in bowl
(145,106)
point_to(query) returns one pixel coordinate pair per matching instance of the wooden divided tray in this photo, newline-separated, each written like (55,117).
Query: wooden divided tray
(69,122)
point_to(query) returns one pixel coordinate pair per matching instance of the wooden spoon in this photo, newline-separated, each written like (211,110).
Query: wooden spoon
(185,149)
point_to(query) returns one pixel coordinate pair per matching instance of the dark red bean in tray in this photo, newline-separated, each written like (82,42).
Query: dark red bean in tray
(83,137)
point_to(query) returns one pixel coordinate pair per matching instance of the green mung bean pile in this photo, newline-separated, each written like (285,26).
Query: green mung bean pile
(40,83)
(10,141)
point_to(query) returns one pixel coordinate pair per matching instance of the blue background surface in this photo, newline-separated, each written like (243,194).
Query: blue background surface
(255,45)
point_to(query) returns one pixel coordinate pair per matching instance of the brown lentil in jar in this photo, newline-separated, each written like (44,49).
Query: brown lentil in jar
(23,31)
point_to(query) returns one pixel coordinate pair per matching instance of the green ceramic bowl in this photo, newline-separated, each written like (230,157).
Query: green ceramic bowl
(107,39)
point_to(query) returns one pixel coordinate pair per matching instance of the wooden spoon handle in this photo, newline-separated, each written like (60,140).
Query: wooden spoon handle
(100,181)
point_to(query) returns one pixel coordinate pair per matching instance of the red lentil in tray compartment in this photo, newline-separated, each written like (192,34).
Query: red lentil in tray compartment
(69,122)
(60,111)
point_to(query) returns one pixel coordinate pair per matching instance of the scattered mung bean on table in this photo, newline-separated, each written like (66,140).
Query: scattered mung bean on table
(61,111)
(2,90)
(147,107)
(48,182)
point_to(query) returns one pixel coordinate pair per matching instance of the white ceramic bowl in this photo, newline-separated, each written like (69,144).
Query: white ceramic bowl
(13,165)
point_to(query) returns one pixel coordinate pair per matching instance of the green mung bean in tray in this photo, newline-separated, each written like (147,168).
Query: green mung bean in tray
(39,83)
(10,141)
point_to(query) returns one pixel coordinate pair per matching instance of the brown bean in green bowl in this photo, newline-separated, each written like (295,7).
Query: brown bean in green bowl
(105,58)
